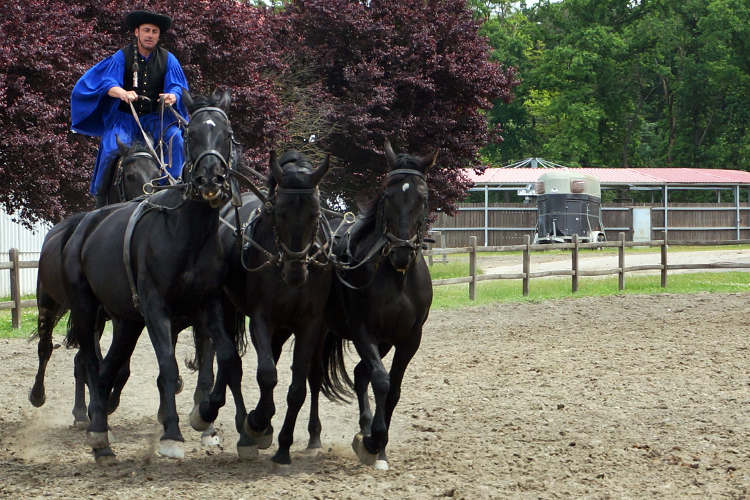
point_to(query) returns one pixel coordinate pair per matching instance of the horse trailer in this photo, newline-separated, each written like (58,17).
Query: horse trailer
(568,204)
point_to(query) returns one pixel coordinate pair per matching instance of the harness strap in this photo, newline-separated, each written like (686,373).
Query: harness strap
(141,209)
(405,171)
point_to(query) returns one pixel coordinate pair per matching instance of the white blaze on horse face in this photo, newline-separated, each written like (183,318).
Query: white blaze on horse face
(405,187)
(210,122)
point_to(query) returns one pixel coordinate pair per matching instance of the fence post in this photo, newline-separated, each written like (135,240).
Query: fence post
(621,262)
(574,263)
(444,244)
(473,266)
(15,288)
(433,234)
(526,265)
(664,264)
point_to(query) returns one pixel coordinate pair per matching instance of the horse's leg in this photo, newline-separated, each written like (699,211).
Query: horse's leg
(159,326)
(205,354)
(361,383)
(123,374)
(305,350)
(116,363)
(401,358)
(49,311)
(83,330)
(315,381)
(210,322)
(180,382)
(368,447)
(258,423)
(80,415)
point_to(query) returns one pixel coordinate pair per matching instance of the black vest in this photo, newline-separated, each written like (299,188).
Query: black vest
(151,75)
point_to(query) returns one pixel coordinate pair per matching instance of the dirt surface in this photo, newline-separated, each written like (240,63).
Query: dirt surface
(621,396)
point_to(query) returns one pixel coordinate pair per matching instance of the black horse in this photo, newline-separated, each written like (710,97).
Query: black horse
(280,278)
(381,298)
(165,273)
(134,168)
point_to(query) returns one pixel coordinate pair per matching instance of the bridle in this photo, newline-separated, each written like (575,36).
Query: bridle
(283,254)
(190,164)
(414,242)
(119,181)
(385,242)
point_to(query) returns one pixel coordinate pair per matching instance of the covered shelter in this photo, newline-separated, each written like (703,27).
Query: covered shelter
(644,203)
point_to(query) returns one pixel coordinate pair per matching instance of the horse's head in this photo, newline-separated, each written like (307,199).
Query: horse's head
(135,168)
(404,206)
(209,147)
(296,211)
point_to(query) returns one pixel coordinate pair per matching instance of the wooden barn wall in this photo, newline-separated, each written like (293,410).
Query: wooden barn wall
(611,218)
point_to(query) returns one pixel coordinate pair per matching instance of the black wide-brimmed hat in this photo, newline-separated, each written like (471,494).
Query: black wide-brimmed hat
(138,17)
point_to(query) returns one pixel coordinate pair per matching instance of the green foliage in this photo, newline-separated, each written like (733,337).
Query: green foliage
(613,83)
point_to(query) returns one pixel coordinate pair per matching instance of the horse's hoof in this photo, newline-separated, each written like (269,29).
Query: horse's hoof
(171,448)
(196,421)
(97,440)
(180,385)
(247,452)
(81,424)
(311,452)
(364,456)
(381,465)
(37,401)
(262,439)
(314,444)
(281,458)
(104,456)
(210,438)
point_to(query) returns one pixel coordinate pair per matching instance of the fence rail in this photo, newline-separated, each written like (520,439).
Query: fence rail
(15,265)
(574,272)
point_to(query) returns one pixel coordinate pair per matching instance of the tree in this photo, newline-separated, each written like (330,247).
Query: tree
(417,73)
(49,44)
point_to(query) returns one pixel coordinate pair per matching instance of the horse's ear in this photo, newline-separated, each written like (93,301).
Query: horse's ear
(428,161)
(275,167)
(122,148)
(187,99)
(224,98)
(321,170)
(390,156)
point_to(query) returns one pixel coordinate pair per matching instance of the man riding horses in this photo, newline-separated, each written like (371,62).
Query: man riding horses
(142,73)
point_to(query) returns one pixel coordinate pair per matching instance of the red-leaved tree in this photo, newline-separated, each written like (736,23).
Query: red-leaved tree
(352,72)
(416,73)
(48,44)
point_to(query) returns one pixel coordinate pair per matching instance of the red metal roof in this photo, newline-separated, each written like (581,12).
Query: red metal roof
(635,176)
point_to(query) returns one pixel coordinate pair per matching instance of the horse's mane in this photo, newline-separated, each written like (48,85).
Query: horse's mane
(291,156)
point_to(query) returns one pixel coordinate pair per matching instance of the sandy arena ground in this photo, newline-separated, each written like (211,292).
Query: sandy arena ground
(614,397)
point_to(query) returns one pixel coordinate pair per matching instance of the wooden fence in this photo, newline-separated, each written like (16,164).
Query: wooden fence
(15,265)
(509,223)
(574,272)
(16,304)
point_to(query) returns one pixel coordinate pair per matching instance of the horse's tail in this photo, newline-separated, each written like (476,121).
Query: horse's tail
(237,330)
(71,340)
(336,383)
(194,364)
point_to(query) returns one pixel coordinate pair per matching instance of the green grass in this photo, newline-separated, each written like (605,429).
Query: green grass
(28,322)
(454,296)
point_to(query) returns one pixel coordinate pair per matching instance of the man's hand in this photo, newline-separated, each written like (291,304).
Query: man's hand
(122,94)
(169,99)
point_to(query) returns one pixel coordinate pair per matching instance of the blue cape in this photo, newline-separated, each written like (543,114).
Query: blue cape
(92,110)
